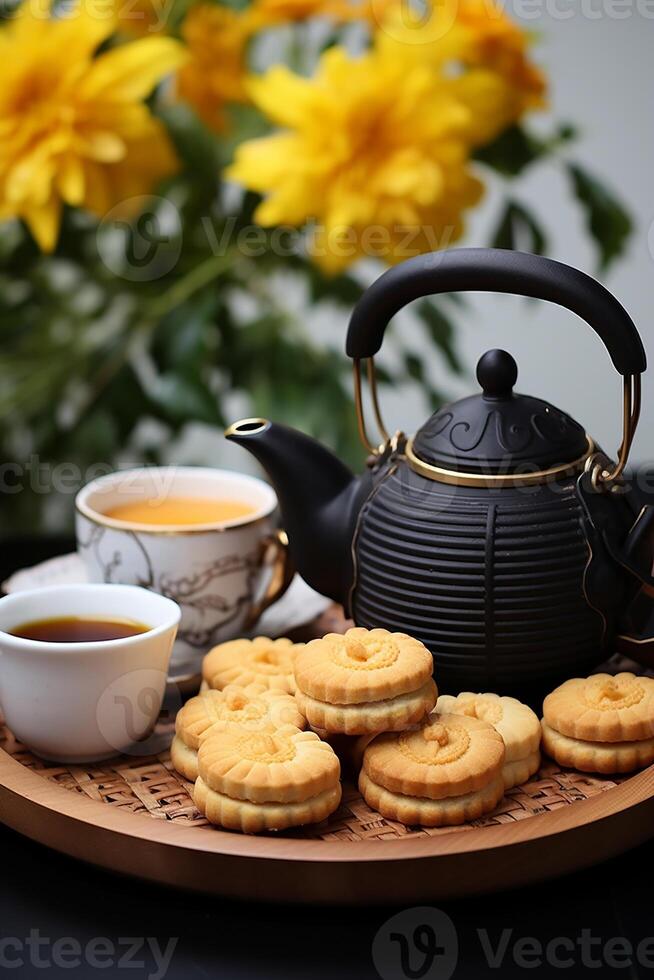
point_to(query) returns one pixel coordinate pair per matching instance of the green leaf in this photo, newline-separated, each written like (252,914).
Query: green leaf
(606,217)
(96,437)
(441,331)
(342,288)
(384,376)
(436,399)
(182,341)
(182,399)
(414,367)
(246,123)
(249,204)
(126,401)
(518,228)
(238,5)
(332,39)
(196,145)
(503,236)
(516,149)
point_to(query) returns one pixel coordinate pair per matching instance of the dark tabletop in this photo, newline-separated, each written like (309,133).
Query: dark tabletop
(60,917)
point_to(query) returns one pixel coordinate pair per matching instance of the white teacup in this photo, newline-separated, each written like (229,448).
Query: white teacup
(223,575)
(82,702)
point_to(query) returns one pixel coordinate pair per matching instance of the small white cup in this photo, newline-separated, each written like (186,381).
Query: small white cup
(83,702)
(223,575)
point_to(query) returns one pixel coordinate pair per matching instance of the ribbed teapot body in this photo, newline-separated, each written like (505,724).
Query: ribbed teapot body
(491,580)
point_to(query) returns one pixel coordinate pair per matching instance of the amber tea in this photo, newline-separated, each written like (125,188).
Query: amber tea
(75,629)
(180,511)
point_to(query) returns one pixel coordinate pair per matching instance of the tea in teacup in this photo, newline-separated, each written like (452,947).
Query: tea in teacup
(78,629)
(180,511)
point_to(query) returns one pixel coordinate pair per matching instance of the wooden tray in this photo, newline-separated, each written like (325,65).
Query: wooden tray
(135,815)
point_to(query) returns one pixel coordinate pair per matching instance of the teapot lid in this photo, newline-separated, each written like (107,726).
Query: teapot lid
(499,431)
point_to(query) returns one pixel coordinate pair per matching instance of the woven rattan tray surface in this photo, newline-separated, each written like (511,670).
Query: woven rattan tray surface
(152,787)
(134,814)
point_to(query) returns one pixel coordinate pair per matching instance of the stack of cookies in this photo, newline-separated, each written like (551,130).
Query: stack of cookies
(254,708)
(241,741)
(255,782)
(516,722)
(445,772)
(364,682)
(601,723)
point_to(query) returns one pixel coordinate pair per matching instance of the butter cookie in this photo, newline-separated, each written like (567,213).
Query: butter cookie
(364,681)
(446,771)
(518,725)
(244,662)
(253,782)
(254,708)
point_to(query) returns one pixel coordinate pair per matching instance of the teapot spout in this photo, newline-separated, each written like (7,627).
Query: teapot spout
(319,497)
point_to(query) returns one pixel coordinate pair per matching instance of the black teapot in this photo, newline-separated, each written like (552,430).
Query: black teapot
(499,534)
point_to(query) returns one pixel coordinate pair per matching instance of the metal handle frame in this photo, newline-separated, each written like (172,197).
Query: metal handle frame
(375,450)
(505,271)
(602,479)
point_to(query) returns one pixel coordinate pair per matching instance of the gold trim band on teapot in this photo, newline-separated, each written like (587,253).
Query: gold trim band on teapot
(602,479)
(458,478)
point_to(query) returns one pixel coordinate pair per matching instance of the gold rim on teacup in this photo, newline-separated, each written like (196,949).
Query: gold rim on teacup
(260,514)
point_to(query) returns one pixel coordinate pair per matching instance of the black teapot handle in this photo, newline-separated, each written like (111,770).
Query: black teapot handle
(495,270)
(499,271)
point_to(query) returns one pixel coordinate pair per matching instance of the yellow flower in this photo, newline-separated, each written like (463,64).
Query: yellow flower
(479,53)
(495,42)
(372,152)
(73,127)
(216,38)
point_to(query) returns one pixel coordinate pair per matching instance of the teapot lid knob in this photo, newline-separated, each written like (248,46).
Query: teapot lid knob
(499,431)
(497,373)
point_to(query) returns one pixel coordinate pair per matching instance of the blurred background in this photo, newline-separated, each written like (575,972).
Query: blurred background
(194,195)
(601,77)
